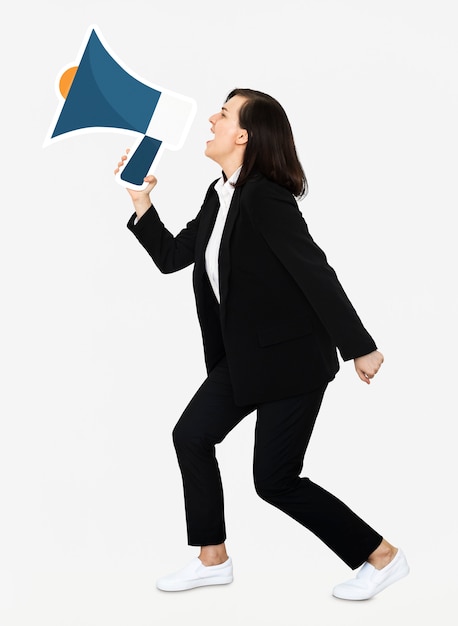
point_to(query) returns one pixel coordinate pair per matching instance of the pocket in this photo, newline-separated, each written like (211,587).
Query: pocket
(278,332)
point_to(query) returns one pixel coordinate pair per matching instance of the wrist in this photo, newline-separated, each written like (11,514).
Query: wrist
(142,207)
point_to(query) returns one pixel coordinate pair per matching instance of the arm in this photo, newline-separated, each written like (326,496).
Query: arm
(169,253)
(276,216)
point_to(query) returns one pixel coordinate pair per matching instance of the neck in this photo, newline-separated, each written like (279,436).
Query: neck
(229,169)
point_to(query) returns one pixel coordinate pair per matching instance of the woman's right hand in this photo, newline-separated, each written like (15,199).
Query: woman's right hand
(140,198)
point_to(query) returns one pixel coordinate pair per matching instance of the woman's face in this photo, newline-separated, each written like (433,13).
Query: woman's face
(229,141)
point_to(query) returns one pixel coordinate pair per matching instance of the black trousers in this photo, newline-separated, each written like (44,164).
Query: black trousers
(283,430)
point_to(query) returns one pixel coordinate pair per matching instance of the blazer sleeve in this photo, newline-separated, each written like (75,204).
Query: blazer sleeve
(170,253)
(276,215)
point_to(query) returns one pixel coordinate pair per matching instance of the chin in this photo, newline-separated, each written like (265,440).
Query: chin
(208,154)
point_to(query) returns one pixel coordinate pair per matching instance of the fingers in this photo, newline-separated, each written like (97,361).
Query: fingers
(367,373)
(122,161)
(152,182)
(367,366)
(137,194)
(371,372)
(364,377)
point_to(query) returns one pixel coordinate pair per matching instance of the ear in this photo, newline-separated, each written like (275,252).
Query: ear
(242,137)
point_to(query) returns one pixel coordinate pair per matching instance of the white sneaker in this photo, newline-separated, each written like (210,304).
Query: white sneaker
(369,581)
(196,574)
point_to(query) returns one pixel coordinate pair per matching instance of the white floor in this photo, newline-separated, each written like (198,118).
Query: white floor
(120,599)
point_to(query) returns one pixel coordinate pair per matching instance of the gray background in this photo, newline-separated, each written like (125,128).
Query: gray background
(93,336)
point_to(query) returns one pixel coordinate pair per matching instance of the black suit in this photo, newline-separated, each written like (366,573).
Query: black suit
(283,311)
(271,346)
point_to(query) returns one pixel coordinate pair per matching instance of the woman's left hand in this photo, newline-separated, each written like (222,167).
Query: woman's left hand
(368,365)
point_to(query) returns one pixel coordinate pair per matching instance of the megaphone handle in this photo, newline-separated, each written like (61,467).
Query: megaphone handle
(140,161)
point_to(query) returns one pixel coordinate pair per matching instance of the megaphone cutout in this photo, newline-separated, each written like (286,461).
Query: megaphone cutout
(99,95)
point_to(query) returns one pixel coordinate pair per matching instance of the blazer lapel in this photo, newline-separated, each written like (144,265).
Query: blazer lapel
(207,221)
(224,251)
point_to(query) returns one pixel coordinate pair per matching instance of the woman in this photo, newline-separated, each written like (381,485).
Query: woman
(272,313)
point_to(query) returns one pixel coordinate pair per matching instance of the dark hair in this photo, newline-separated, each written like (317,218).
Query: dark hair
(270,150)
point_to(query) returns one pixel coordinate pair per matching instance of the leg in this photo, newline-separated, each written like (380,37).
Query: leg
(382,555)
(283,430)
(208,418)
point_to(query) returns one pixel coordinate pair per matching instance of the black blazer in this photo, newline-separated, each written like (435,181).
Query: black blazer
(283,310)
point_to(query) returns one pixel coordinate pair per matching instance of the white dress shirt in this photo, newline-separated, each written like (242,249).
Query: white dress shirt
(225,191)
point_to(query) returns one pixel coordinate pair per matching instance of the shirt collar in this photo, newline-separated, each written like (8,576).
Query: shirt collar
(224,183)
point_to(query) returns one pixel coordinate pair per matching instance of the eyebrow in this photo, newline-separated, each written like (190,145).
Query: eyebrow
(223,109)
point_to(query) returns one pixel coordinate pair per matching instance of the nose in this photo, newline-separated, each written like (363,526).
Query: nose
(212,119)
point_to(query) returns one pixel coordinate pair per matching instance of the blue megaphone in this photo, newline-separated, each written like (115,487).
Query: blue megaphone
(99,94)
